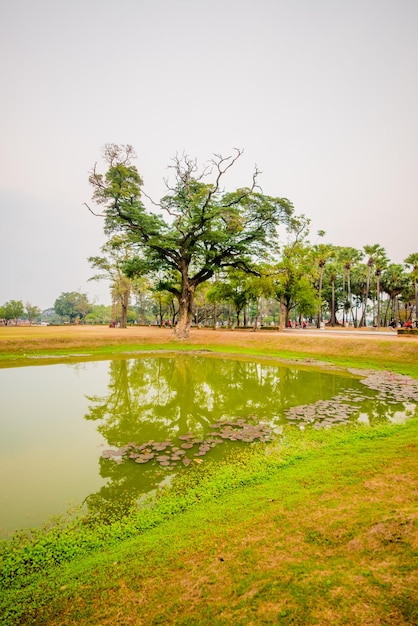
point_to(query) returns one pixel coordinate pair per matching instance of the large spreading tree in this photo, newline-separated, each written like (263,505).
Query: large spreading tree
(196,229)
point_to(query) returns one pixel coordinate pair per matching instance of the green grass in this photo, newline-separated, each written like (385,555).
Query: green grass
(41,345)
(317,528)
(103,352)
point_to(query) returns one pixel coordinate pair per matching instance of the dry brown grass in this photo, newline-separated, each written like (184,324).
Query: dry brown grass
(373,349)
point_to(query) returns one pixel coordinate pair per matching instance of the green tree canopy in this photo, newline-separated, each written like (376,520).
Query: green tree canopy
(32,311)
(110,267)
(412,262)
(13,309)
(196,229)
(234,288)
(72,305)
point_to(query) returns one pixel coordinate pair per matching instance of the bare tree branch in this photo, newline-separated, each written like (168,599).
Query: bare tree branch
(116,154)
(91,211)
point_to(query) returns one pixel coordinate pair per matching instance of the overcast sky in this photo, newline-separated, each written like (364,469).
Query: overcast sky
(321,94)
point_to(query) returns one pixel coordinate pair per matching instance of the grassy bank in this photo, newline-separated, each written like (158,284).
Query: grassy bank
(319,528)
(40,345)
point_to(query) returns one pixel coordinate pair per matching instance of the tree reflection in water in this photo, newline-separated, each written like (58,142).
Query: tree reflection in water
(161,398)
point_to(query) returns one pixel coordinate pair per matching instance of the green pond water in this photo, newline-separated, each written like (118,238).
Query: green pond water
(105,433)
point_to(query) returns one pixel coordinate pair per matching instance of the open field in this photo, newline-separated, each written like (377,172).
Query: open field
(19,346)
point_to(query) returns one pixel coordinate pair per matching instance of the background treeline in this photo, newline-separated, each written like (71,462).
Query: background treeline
(203,255)
(311,283)
(243,258)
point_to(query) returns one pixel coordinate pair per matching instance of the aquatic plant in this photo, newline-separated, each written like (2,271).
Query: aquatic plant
(223,430)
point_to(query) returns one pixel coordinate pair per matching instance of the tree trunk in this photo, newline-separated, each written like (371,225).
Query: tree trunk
(343,302)
(385,319)
(125,305)
(416,303)
(256,314)
(333,319)
(215,316)
(282,313)
(378,321)
(182,329)
(319,320)
(366,297)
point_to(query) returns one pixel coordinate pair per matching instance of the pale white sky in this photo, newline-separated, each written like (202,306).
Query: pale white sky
(321,94)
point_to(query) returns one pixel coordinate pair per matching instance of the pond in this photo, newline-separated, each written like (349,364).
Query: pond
(104,433)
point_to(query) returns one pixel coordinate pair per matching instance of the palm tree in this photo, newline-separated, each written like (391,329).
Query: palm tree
(359,276)
(394,281)
(381,262)
(374,252)
(332,273)
(322,253)
(349,258)
(412,260)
